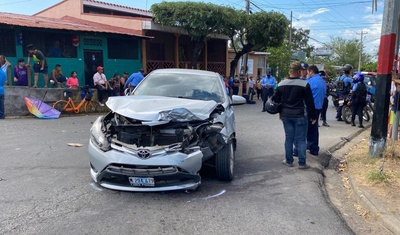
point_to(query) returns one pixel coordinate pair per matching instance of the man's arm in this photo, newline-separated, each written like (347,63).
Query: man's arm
(394,78)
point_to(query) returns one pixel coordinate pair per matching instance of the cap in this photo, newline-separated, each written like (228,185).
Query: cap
(21,60)
(303,65)
(126,73)
(99,68)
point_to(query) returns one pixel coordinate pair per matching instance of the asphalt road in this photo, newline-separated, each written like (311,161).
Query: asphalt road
(45,187)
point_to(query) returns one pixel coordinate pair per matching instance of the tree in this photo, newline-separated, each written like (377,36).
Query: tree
(370,67)
(257,31)
(347,52)
(200,20)
(279,59)
(281,56)
(300,41)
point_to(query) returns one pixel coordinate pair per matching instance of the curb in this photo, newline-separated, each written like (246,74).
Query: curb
(390,222)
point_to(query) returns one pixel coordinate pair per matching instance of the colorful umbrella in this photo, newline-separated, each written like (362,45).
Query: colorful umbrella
(41,109)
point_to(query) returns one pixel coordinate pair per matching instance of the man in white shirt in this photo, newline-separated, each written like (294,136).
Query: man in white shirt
(101,84)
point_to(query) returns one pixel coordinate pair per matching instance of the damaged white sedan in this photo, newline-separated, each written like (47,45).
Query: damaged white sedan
(159,137)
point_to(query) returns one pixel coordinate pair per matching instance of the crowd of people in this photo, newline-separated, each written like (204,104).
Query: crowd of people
(116,86)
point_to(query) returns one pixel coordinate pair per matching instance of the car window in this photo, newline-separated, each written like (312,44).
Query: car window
(181,85)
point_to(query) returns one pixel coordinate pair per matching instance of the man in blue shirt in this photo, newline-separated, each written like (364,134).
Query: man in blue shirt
(134,80)
(268,83)
(3,78)
(318,89)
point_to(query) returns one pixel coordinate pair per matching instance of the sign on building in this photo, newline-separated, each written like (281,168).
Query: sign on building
(323,51)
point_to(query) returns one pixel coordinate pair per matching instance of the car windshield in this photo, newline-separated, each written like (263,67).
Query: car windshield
(182,85)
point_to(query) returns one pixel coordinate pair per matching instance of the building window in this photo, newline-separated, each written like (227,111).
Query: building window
(261,62)
(54,45)
(123,48)
(7,42)
(93,42)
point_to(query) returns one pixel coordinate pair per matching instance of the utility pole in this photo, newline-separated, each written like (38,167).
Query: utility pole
(290,36)
(361,49)
(387,53)
(245,57)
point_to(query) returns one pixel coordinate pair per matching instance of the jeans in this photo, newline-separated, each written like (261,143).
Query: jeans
(2,114)
(295,132)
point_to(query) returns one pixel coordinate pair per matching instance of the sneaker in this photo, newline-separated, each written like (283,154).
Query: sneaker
(325,124)
(304,167)
(101,104)
(361,126)
(287,164)
(353,124)
(340,120)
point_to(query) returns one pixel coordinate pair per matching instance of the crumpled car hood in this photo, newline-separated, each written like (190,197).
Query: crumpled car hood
(161,108)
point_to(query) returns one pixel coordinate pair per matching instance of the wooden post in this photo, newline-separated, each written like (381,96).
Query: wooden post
(144,55)
(206,55)
(176,50)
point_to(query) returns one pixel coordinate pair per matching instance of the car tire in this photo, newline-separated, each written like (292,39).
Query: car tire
(225,162)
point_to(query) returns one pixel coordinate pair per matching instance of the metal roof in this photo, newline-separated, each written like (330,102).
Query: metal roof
(111,6)
(65,23)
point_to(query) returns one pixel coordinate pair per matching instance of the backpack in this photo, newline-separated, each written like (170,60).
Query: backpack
(340,84)
(87,93)
(361,91)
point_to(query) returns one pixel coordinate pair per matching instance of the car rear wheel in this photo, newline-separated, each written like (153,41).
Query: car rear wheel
(225,162)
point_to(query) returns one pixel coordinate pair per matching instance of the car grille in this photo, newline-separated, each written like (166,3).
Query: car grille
(142,170)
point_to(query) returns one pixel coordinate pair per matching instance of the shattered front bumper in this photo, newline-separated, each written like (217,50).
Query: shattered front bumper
(116,168)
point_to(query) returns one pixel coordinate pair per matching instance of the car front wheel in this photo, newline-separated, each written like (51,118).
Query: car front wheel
(225,162)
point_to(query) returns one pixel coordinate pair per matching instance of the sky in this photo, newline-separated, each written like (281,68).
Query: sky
(324,18)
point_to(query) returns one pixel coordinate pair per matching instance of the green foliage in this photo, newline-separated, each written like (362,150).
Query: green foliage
(346,52)
(279,60)
(300,41)
(197,18)
(370,67)
(256,32)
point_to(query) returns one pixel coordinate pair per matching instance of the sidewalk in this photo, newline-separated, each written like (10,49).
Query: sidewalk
(343,182)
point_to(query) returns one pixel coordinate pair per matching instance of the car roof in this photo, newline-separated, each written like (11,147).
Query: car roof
(369,73)
(186,71)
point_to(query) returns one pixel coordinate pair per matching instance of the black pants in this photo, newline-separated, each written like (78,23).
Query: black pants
(324,109)
(357,109)
(259,93)
(101,91)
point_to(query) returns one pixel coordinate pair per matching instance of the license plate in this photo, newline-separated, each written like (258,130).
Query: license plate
(139,181)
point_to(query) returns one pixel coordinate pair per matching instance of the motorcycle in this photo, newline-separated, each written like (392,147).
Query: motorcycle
(346,109)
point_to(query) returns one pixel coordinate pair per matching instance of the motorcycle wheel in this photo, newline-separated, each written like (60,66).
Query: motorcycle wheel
(346,114)
(366,116)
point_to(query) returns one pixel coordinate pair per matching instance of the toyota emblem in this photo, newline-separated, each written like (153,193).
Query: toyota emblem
(143,153)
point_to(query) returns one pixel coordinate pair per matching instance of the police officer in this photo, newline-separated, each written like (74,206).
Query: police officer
(343,88)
